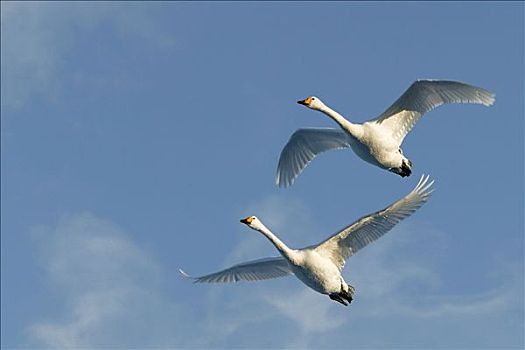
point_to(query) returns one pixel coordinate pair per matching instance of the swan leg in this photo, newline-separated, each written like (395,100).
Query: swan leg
(337,297)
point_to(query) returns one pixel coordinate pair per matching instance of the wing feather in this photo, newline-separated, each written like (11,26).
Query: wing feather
(423,96)
(254,270)
(364,231)
(304,145)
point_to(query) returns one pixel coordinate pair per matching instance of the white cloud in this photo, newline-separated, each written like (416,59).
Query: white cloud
(38,37)
(86,251)
(389,276)
(313,313)
(88,312)
(107,282)
(29,56)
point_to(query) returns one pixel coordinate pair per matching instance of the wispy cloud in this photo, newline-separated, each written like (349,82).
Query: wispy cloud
(38,38)
(308,310)
(389,282)
(29,56)
(108,283)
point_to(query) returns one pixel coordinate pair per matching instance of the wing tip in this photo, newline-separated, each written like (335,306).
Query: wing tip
(491,99)
(283,182)
(185,275)
(425,188)
(282,178)
(484,96)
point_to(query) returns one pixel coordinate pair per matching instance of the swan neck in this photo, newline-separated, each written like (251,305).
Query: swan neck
(281,247)
(352,128)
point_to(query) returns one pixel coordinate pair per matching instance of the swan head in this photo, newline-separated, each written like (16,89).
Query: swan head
(312,102)
(253,222)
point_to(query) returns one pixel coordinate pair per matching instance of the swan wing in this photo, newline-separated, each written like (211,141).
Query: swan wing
(423,96)
(356,236)
(255,270)
(304,145)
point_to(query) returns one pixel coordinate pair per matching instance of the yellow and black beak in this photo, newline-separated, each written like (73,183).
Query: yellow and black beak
(247,221)
(305,102)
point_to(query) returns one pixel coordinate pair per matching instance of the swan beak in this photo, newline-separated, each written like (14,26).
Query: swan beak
(305,102)
(247,221)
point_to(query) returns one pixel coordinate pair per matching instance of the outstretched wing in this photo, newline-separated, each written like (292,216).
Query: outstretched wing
(255,270)
(356,236)
(304,145)
(423,96)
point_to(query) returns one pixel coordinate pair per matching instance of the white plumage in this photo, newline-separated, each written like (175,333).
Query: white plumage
(379,140)
(319,266)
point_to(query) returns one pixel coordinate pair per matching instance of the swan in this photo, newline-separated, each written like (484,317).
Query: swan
(320,266)
(377,141)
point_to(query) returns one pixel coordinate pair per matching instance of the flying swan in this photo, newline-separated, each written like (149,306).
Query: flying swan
(319,266)
(379,140)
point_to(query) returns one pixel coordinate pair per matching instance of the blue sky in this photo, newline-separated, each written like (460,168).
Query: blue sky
(136,135)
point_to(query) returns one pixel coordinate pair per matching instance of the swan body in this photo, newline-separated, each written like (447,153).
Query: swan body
(320,266)
(377,141)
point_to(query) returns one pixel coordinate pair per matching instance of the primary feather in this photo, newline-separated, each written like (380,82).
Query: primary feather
(425,95)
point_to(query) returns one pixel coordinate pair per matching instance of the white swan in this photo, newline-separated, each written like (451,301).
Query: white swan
(379,140)
(319,266)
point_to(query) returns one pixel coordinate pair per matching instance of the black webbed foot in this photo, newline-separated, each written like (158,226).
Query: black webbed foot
(346,295)
(404,170)
(337,298)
